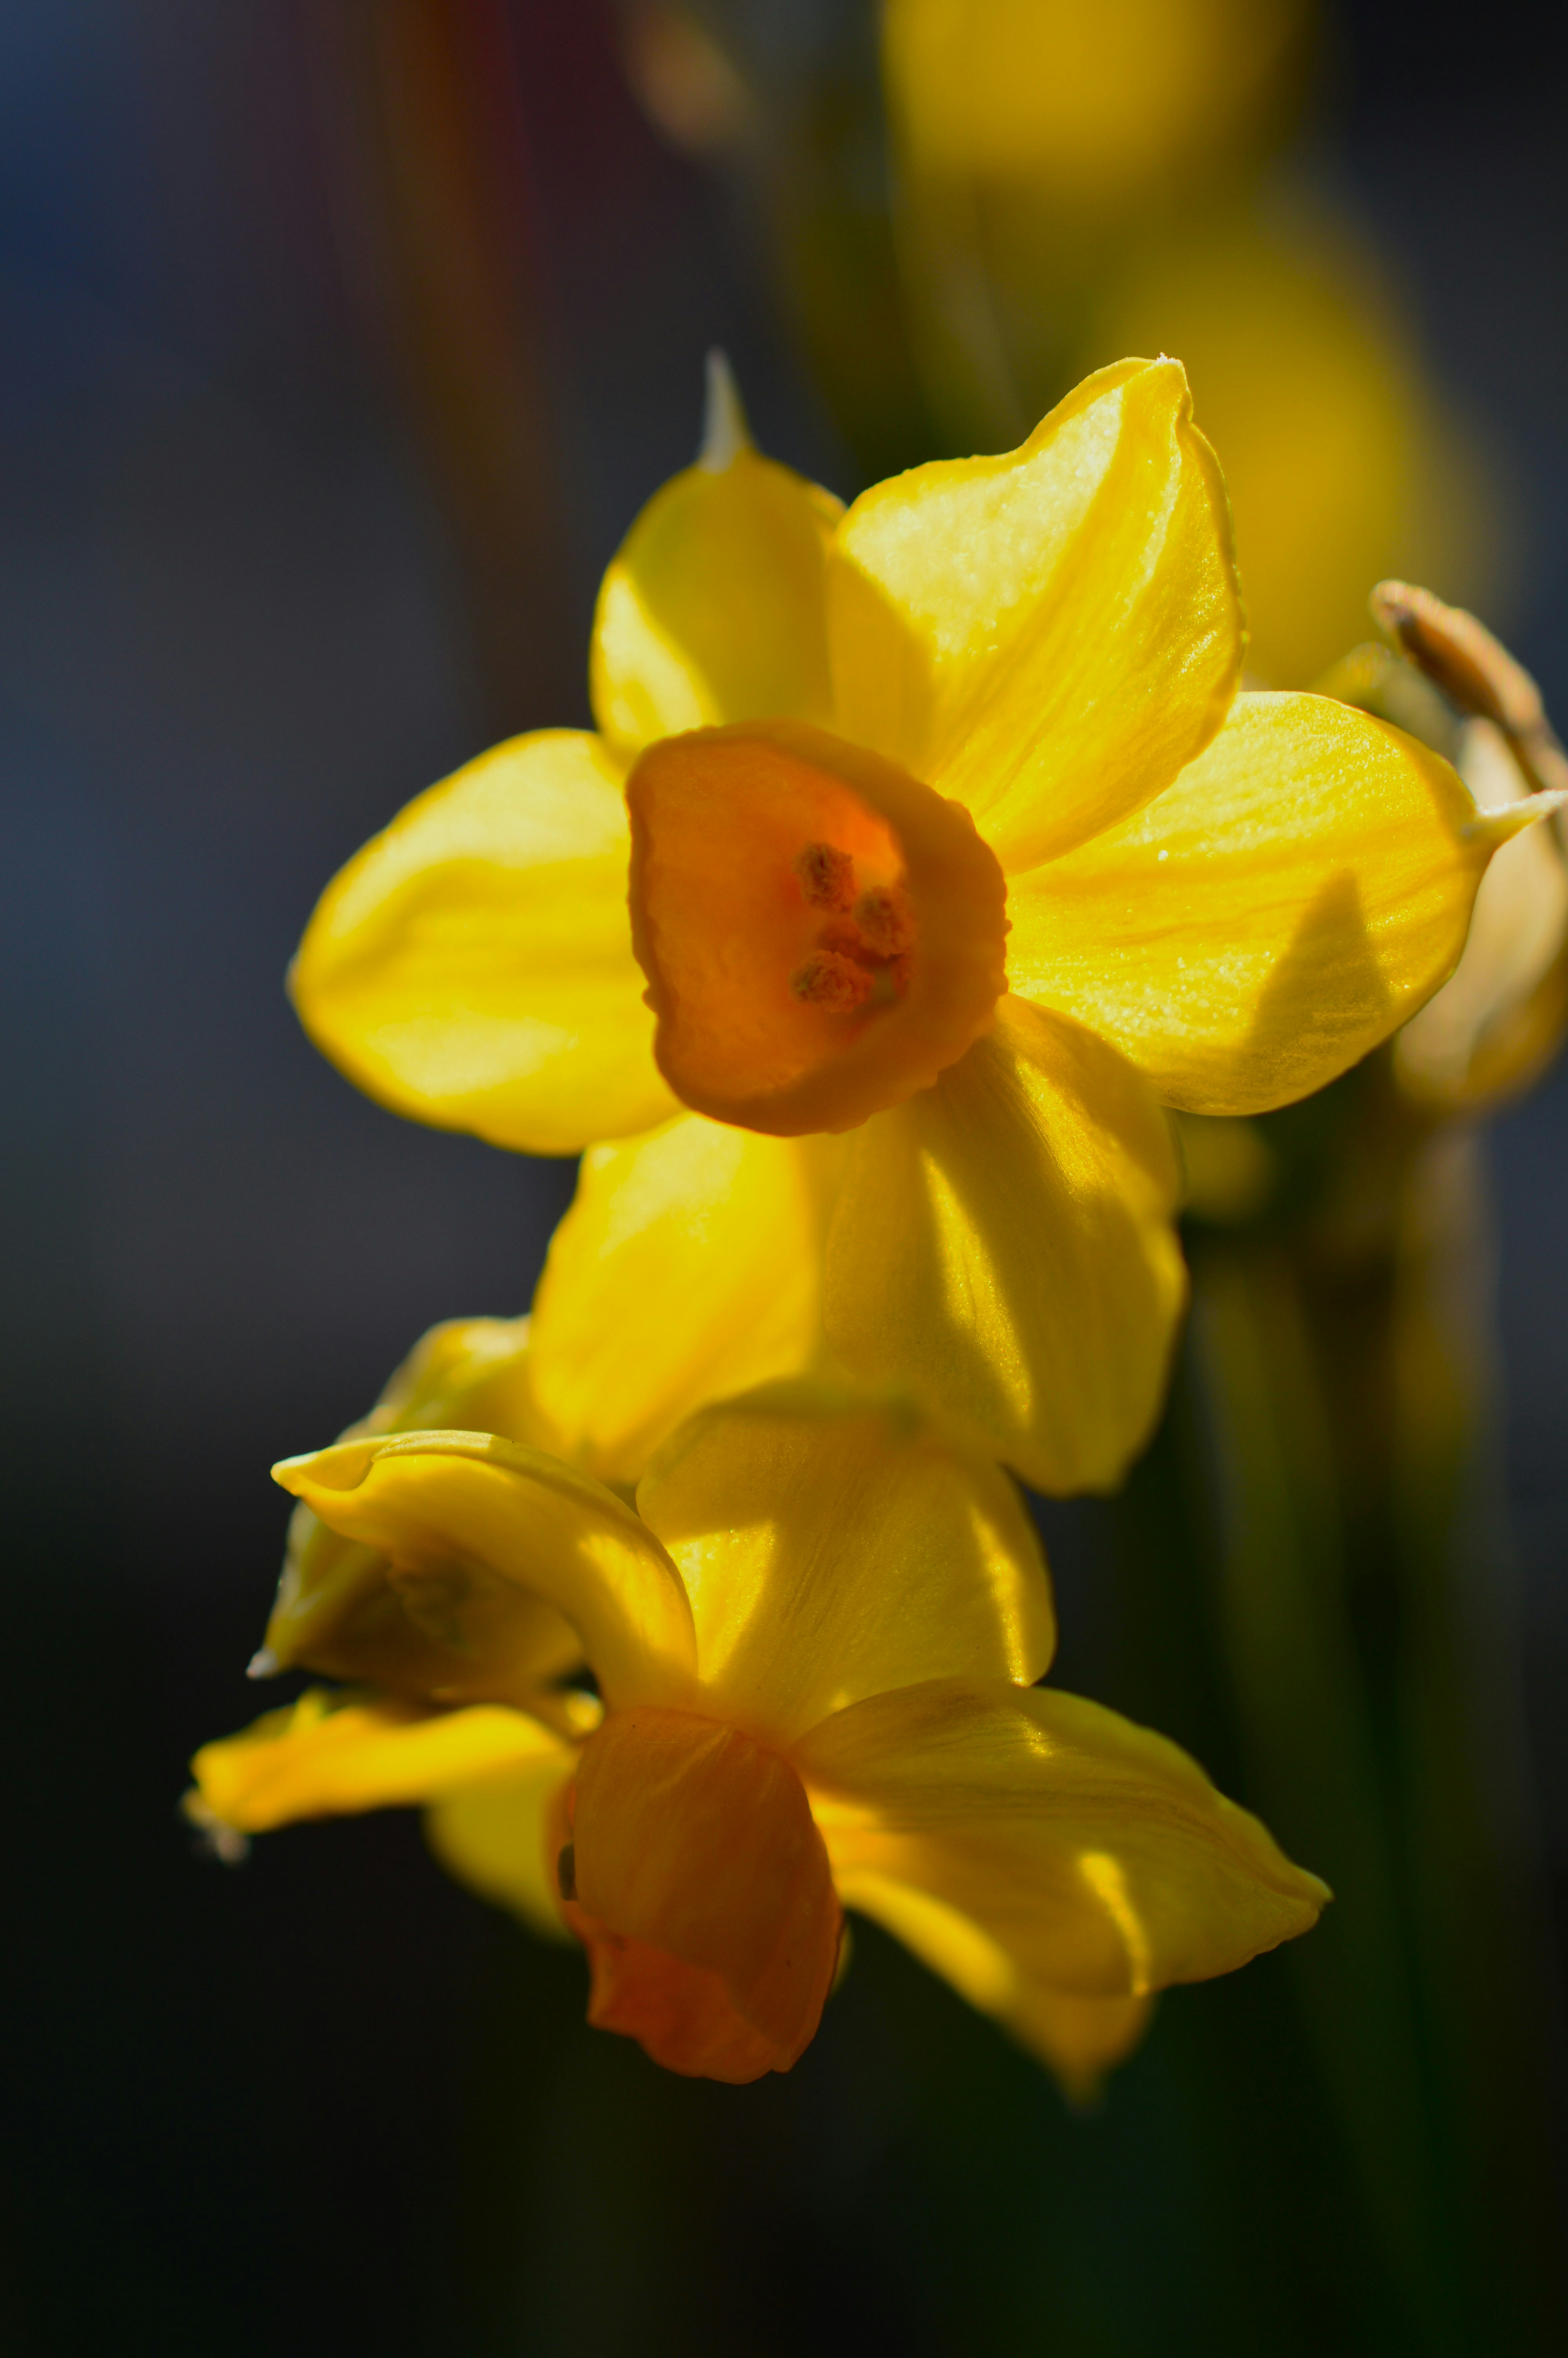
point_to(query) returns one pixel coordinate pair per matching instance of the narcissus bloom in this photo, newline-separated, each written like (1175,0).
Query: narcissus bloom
(925,851)
(813,1643)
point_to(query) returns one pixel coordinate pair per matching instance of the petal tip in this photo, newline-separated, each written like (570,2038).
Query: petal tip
(1492,829)
(342,1468)
(724,431)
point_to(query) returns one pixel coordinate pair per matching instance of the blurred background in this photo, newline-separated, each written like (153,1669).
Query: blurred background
(342,339)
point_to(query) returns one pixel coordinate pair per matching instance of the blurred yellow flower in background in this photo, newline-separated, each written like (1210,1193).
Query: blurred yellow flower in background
(1096,105)
(1076,180)
(811,1649)
(952,852)
(1341,461)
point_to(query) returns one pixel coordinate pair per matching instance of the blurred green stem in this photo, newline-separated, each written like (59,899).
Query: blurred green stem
(1329,1445)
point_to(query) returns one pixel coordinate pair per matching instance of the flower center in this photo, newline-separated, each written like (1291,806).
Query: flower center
(822,934)
(694,1876)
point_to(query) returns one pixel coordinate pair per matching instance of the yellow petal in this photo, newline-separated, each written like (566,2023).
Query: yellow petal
(480,1532)
(1096,1854)
(497,1837)
(334,1611)
(1297,894)
(472,966)
(687,1268)
(833,1544)
(331,1756)
(713,610)
(1078,2037)
(1051,635)
(1004,1242)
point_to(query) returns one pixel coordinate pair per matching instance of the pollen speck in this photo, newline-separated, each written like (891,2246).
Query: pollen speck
(883,919)
(829,981)
(826,876)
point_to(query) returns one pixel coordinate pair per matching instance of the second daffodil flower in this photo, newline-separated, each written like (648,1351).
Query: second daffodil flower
(813,1644)
(924,853)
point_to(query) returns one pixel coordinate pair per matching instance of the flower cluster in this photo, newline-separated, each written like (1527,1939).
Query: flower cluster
(927,854)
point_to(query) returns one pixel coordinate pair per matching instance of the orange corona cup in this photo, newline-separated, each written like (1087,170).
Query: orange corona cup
(822,934)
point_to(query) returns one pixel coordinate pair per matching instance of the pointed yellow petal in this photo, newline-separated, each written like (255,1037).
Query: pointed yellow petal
(688,1268)
(500,1838)
(1297,894)
(1094,1852)
(472,966)
(1051,635)
(480,1532)
(331,1756)
(1004,1242)
(1078,2037)
(713,610)
(835,1543)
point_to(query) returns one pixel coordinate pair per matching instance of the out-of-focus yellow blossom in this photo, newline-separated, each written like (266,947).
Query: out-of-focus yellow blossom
(1076,180)
(861,772)
(814,1643)
(1096,107)
(1341,463)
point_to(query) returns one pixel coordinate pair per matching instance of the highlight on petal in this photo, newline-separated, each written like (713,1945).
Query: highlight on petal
(334,1755)
(481,1534)
(502,1836)
(1079,2038)
(822,934)
(688,1268)
(1005,1243)
(713,609)
(1097,1855)
(472,966)
(333,1611)
(1297,894)
(701,1889)
(834,1544)
(1050,635)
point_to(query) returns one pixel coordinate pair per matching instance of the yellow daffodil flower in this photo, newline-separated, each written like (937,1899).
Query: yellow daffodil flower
(925,849)
(814,1643)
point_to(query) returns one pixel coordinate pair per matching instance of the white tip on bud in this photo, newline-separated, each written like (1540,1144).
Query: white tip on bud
(1497,826)
(263,1665)
(725,433)
(215,1838)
